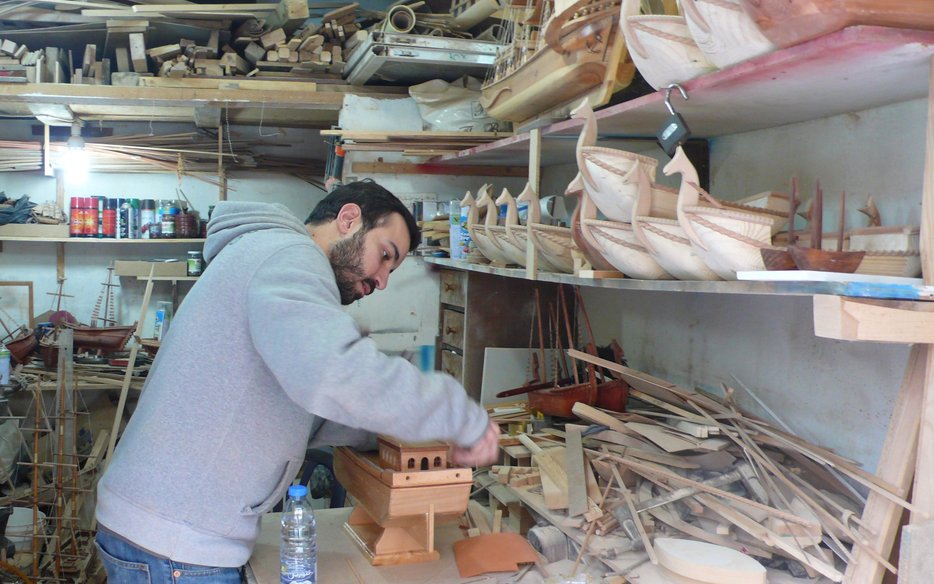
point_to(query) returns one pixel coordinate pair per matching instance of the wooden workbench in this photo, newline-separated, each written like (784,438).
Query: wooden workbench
(340,560)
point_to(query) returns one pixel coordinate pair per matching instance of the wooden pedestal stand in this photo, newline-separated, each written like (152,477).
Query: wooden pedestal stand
(396,512)
(385,546)
(907,460)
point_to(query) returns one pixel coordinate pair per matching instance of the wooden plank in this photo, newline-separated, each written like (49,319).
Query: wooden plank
(138,53)
(436,169)
(123,59)
(866,319)
(385,136)
(289,15)
(213,8)
(574,466)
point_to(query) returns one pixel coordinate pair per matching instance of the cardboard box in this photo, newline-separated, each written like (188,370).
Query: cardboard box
(167,267)
(33,230)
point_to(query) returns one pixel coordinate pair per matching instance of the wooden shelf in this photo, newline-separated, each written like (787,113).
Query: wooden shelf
(862,289)
(90,240)
(851,70)
(169,278)
(310,108)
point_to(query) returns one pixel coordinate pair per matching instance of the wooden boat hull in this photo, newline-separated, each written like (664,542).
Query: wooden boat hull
(623,249)
(386,498)
(106,339)
(663,50)
(724,32)
(776,258)
(789,22)
(823,260)
(547,80)
(900,264)
(611,178)
(554,244)
(22,347)
(670,247)
(506,244)
(486,246)
(729,241)
(552,78)
(592,254)
(560,401)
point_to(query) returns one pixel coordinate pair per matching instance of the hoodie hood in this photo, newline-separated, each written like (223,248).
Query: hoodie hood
(230,220)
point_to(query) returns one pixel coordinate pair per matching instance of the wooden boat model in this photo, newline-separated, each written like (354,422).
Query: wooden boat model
(591,254)
(497,233)
(514,237)
(107,339)
(663,49)
(553,243)
(818,258)
(401,495)
(789,22)
(619,242)
(478,234)
(778,257)
(578,53)
(667,243)
(724,32)
(890,251)
(559,401)
(21,343)
(728,240)
(610,176)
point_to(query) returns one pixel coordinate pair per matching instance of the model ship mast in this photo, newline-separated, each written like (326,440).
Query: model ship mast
(106,297)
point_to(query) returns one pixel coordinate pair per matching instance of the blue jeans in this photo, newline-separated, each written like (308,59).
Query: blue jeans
(127,564)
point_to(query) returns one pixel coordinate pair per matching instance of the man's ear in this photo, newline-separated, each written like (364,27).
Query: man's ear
(349,219)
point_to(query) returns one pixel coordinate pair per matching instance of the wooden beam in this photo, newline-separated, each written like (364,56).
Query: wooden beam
(289,15)
(138,52)
(409,168)
(896,466)
(863,319)
(212,8)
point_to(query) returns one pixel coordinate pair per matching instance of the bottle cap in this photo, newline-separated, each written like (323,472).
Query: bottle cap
(298,491)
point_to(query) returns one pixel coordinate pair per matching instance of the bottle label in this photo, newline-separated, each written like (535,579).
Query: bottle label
(296,572)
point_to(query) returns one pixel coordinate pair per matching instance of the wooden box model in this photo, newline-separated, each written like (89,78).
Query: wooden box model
(400,496)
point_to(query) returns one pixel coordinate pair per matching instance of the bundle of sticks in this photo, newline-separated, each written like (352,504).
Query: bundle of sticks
(688,464)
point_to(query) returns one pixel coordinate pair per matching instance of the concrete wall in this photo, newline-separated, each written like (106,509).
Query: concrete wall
(834,393)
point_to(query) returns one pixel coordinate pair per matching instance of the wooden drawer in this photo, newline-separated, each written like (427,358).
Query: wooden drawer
(452,328)
(453,288)
(452,364)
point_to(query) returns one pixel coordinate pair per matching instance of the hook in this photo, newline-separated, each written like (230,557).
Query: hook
(668,89)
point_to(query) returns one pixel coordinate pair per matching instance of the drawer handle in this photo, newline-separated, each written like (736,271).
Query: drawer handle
(449,287)
(450,330)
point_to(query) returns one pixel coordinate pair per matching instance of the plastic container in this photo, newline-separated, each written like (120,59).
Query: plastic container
(4,366)
(298,548)
(19,528)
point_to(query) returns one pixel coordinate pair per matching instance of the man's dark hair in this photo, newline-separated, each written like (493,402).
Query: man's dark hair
(375,203)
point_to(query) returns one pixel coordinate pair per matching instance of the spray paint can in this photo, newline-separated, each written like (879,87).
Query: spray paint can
(109,222)
(147,216)
(123,220)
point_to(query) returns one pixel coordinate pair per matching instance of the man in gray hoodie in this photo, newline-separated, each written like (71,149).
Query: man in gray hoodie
(261,359)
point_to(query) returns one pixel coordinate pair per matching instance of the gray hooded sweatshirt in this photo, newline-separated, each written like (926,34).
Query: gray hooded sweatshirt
(260,358)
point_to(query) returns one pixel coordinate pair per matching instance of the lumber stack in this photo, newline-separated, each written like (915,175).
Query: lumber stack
(19,64)
(686,464)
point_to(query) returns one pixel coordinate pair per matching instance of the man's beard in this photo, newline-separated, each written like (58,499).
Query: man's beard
(346,260)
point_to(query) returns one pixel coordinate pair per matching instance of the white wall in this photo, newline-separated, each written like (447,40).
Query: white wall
(408,304)
(834,393)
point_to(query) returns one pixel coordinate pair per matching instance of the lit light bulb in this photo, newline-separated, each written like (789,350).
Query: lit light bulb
(75,160)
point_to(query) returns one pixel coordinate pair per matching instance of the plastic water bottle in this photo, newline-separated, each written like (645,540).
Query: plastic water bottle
(4,366)
(298,550)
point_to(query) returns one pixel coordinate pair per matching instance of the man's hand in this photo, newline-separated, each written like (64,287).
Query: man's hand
(484,451)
